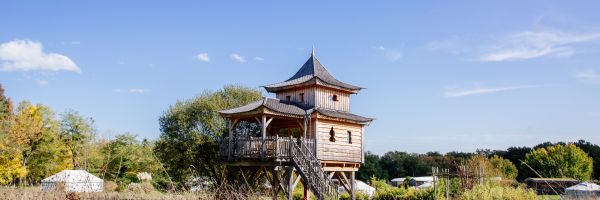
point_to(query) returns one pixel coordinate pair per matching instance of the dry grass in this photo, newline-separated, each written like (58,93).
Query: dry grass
(36,193)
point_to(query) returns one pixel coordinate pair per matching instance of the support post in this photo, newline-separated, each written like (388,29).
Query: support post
(264,134)
(230,147)
(306,190)
(290,183)
(352,186)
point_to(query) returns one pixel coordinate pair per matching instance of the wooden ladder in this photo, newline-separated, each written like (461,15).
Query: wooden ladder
(310,169)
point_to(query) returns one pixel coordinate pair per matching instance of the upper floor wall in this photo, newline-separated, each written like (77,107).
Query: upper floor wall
(318,96)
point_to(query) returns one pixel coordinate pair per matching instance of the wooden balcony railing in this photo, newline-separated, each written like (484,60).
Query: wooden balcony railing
(271,147)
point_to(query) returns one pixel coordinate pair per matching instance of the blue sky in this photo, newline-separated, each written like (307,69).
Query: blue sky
(440,76)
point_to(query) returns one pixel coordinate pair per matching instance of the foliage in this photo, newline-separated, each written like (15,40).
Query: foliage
(386,192)
(492,191)
(558,161)
(77,132)
(110,186)
(492,167)
(190,130)
(49,155)
(370,168)
(358,196)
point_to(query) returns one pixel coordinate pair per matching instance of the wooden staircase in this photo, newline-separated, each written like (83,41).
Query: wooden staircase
(309,168)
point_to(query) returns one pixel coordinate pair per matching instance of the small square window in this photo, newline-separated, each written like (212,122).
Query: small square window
(302,97)
(288,98)
(334,98)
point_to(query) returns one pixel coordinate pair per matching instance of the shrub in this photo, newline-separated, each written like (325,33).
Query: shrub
(359,196)
(110,186)
(147,187)
(491,191)
(135,188)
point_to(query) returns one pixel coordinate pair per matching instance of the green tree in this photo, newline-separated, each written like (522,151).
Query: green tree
(49,154)
(190,130)
(503,167)
(77,132)
(558,161)
(593,151)
(371,168)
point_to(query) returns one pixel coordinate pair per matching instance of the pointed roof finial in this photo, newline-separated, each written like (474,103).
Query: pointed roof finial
(312,52)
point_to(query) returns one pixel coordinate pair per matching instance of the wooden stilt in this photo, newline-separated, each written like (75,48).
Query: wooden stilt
(352,186)
(306,195)
(290,183)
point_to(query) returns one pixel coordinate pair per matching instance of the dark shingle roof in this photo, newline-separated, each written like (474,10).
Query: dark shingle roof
(310,70)
(276,105)
(343,115)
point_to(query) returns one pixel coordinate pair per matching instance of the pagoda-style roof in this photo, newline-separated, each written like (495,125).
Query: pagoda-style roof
(312,73)
(288,109)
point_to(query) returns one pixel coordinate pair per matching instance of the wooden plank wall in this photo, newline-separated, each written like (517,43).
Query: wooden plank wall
(309,95)
(319,97)
(339,150)
(324,95)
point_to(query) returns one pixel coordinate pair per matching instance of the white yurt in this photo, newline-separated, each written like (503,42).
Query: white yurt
(74,181)
(361,187)
(583,190)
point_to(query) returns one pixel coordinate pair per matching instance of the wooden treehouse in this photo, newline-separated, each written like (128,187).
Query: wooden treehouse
(306,130)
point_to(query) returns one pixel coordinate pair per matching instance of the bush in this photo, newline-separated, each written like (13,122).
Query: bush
(147,187)
(359,196)
(110,186)
(135,188)
(496,192)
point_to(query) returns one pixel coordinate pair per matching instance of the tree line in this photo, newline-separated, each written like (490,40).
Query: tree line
(35,143)
(550,160)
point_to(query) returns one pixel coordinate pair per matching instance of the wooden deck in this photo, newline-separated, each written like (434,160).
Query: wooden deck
(271,148)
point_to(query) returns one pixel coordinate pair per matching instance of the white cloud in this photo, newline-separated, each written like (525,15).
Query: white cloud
(26,55)
(390,54)
(258,58)
(588,75)
(526,45)
(237,58)
(41,82)
(203,57)
(132,90)
(517,46)
(457,92)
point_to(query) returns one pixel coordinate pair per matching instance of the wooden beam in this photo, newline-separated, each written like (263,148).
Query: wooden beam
(344,180)
(353,187)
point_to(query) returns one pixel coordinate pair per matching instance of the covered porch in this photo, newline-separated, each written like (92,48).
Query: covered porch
(280,123)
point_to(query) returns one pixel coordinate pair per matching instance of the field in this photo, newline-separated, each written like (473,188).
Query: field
(36,193)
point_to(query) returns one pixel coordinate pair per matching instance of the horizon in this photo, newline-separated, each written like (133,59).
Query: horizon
(485,75)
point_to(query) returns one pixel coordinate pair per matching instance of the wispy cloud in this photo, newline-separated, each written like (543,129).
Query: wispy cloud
(26,55)
(390,54)
(461,92)
(237,58)
(516,46)
(259,58)
(588,75)
(526,45)
(41,82)
(203,57)
(132,90)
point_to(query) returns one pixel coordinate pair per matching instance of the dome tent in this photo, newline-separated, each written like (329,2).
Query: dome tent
(74,181)
(583,190)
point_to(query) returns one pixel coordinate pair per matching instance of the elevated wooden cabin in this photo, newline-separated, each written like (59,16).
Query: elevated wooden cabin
(309,122)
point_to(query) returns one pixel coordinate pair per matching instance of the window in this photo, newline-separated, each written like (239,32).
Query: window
(349,139)
(332,135)
(302,97)
(288,98)
(334,98)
